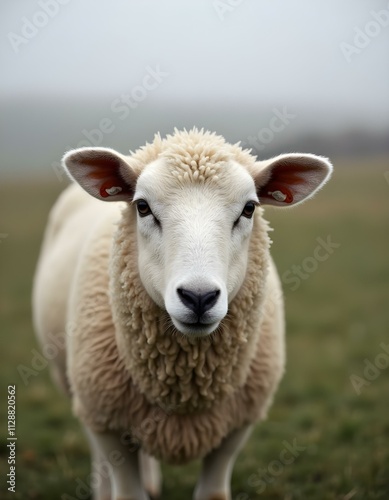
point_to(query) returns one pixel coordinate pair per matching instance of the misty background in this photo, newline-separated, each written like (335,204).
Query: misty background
(278,76)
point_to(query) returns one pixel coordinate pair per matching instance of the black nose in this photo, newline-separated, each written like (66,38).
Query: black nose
(199,303)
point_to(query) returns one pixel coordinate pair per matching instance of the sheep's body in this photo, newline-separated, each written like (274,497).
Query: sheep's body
(128,370)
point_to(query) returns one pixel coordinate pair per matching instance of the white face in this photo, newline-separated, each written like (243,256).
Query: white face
(193,241)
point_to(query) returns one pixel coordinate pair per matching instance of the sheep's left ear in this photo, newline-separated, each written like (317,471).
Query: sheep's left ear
(102,172)
(290,178)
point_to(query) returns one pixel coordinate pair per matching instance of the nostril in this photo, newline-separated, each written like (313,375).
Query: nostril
(189,299)
(209,300)
(197,302)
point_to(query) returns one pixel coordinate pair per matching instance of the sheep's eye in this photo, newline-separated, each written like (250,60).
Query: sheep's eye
(143,208)
(248,209)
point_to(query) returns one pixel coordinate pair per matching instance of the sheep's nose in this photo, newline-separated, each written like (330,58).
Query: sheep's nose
(199,303)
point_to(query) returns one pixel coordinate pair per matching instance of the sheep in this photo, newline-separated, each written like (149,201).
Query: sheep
(168,302)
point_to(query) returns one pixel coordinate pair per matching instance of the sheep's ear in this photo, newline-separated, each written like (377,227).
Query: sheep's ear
(103,173)
(290,178)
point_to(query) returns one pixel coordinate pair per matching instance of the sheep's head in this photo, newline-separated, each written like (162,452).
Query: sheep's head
(195,199)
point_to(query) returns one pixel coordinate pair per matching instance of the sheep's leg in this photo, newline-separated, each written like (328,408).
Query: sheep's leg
(123,464)
(150,474)
(215,478)
(101,483)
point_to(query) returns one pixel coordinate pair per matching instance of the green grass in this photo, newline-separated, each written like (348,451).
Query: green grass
(336,319)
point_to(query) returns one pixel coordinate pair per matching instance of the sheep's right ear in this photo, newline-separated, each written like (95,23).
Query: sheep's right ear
(102,172)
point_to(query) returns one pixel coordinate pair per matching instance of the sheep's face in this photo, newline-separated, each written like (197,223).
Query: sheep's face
(194,210)
(193,239)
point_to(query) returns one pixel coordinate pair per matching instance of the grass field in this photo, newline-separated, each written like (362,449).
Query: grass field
(333,403)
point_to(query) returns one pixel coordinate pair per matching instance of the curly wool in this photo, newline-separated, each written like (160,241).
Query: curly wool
(193,156)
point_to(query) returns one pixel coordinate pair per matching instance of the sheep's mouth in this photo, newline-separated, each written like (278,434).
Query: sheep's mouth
(197,329)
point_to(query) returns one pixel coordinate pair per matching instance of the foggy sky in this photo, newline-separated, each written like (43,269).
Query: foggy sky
(255,51)
(147,66)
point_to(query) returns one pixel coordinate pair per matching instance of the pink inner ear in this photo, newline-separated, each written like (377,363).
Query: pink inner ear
(290,175)
(103,174)
(282,183)
(289,182)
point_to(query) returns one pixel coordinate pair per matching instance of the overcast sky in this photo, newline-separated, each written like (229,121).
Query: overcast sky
(254,51)
(228,65)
